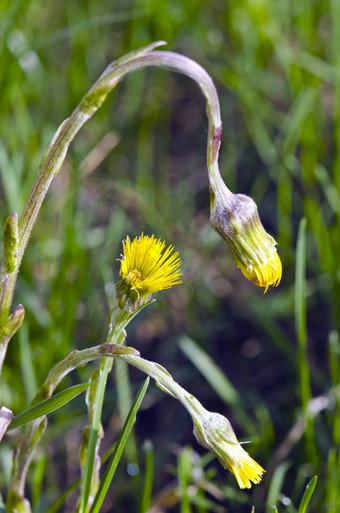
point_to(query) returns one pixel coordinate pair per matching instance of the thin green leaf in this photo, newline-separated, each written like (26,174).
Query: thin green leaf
(107,454)
(51,404)
(62,498)
(300,285)
(276,484)
(184,471)
(205,504)
(215,377)
(291,127)
(119,447)
(124,401)
(120,320)
(213,374)
(91,449)
(38,479)
(301,331)
(307,495)
(57,504)
(148,479)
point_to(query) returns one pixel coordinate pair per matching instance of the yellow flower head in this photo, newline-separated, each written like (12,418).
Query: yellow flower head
(147,267)
(267,273)
(244,468)
(237,221)
(214,432)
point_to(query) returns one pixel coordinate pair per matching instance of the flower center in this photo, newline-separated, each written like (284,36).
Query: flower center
(134,278)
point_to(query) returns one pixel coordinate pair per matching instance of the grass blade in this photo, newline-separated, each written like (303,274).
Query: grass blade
(37,483)
(276,484)
(307,495)
(335,17)
(301,331)
(208,368)
(184,470)
(124,399)
(45,407)
(300,286)
(119,447)
(148,477)
(91,449)
(205,505)
(215,377)
(62,498)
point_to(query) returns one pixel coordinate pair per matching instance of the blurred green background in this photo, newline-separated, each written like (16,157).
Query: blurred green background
(139,165)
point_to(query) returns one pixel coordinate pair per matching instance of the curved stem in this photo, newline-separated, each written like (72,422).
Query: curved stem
(90,103)
(31,436)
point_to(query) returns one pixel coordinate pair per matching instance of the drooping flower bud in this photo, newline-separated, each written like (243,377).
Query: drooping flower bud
(214,432)
(236,219)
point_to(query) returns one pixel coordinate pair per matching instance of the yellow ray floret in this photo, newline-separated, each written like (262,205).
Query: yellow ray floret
(245,469)
(147,267)
(236,219)
(264,274)
(233,457)
(215,432)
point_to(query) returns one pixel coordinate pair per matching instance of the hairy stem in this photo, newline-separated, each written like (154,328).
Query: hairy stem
(90,103)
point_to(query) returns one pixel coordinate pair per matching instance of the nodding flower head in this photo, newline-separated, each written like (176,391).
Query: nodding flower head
(236,219)
(215,433)
(146,267)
